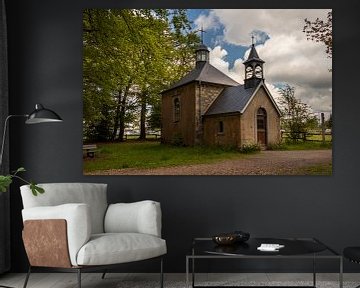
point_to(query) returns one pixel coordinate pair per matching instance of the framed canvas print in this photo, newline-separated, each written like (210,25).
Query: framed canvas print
(207,91)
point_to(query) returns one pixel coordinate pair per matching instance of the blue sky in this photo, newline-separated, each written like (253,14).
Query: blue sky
(289,57)
(212,37)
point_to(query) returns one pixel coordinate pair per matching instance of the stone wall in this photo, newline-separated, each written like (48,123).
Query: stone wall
(206,93)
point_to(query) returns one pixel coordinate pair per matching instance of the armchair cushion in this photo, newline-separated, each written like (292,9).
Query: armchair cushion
(138,217)
(113,248)
(78,221)
(93,194)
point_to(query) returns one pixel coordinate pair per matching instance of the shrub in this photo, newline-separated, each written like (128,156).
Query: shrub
(177,140)
(250,148)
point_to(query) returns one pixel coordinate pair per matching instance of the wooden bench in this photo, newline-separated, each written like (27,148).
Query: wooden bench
(89,150)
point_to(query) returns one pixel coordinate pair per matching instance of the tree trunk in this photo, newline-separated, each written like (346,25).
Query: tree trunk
(117,115)
(122,112)
(143,117)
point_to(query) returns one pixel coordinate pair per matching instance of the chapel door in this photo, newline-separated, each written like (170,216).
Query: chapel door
(261,126)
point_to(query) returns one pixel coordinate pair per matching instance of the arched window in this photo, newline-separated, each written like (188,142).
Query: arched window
(258,72)
(221,127)
(176,109)
(261,118)
(261,126)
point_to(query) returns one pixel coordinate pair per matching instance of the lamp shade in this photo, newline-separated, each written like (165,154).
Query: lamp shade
(42,115)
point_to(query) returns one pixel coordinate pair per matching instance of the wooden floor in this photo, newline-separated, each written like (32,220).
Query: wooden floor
(114,280)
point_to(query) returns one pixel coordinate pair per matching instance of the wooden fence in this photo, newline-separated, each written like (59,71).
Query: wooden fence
(151,136)
(308,136)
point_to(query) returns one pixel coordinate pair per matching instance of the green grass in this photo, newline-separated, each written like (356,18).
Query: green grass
(328,138)
(309,145)
(325,169)
(152,155)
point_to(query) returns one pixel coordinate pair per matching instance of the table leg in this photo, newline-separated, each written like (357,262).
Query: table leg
(187,272)
(193,272)
(314,271)
(341,273)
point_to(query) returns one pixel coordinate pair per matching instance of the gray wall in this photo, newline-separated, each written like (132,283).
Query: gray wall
(45,51)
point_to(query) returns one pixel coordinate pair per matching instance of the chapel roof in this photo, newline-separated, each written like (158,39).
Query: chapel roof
(206,73)
(236,99)
(231,100)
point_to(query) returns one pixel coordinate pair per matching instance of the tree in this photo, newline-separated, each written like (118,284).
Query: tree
(296,115)
(328,123)
(320,31)
(130,56)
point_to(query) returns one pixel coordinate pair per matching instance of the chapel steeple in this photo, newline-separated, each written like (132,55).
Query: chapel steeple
(202,52)
(202,55)
(253,68)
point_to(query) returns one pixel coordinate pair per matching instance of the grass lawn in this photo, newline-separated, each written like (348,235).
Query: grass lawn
(316,170)
(153,154)
(309,145)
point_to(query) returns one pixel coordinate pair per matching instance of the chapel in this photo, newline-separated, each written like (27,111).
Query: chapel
(206,107)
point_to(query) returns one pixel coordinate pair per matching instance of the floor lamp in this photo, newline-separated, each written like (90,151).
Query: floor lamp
(39,115)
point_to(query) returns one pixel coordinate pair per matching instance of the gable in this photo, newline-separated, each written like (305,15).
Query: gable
(267,92)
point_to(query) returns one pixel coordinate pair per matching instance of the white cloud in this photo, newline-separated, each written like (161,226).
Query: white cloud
(290,58)
(217,59)
(207,21)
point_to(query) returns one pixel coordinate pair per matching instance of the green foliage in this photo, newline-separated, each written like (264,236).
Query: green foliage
(129,57)
(250,148)
(296,116)
(155,116)
(6,180)
(177,140)
(36,189)
(328,123)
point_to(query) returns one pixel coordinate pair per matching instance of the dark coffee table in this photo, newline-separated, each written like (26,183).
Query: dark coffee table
(294,248)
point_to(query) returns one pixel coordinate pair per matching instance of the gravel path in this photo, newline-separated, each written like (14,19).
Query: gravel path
(263,163)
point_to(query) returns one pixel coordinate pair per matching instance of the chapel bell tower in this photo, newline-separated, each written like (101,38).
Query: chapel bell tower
(202,52)
(254,73)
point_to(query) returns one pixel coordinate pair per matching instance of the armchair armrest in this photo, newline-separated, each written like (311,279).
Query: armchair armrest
(138,217)
(77,219)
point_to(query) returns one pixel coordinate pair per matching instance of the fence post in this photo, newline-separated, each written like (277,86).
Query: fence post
(323,127)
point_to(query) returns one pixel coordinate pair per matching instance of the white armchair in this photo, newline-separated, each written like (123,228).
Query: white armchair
(72,228)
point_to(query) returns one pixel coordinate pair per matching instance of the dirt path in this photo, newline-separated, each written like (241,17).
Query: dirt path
(263,163)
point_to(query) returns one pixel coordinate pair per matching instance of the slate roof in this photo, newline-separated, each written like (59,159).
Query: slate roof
(206,73)
(230,100)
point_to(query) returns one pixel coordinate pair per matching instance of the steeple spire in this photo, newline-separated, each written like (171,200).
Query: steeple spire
(202,31)
(253,67)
